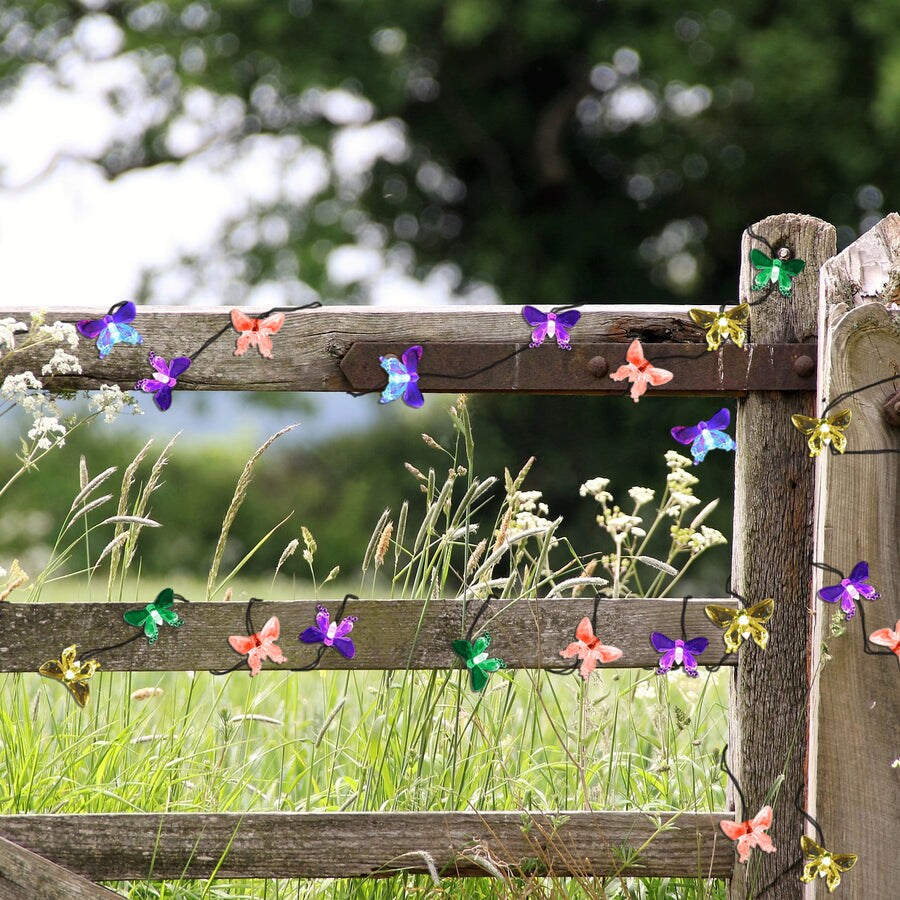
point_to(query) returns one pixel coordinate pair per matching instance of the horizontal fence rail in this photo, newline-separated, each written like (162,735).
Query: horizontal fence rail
(338,349)
(389,634)
(353,844)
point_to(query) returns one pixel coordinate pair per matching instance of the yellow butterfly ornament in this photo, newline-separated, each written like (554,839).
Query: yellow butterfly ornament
(744,624)
(824,864)
(824,431)
(725,325)
(73,674)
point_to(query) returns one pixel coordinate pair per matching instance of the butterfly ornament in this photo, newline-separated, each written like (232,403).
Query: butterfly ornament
(750,834)
(554,324)
(589,649)
(640,372)
(781,270)
(706,436)
(403,378)
(822,863)
(255,332)
(725,325)
(331,634)
(259,646)
(851,590)
(164,382)
(479,664)
(677,653)
(112,329)
(155,614)
(744,624)
(888,637)
(73,674)
(820,433)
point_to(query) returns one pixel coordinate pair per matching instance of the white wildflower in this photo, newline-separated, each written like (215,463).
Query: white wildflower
(61,333)
(684,499)
(49,431)
(674,460)
(527,521)
(61,363)
(641,495)
(620,524)
(38,317)
(596,488)
(8,328)
(2,572)
(527,500)
(679,479)
(17,387)
(111,400)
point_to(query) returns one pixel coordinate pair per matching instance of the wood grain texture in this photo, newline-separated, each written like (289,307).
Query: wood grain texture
(311,344)
(26,876)
(773,524)
(855,707)
(390,634)
(172,845)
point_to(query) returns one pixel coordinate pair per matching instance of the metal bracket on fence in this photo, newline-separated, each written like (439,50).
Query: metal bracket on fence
(585,368)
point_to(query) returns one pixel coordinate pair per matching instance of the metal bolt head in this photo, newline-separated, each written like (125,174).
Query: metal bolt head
(784,253)
(804,366)
(598,366)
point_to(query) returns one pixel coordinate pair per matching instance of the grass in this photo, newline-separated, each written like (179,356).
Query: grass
(398,740)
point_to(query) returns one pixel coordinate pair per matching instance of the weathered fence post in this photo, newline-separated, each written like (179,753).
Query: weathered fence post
(772,547)
(854,716)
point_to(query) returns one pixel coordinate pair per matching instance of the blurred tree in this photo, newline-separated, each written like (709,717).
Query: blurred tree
(558,152)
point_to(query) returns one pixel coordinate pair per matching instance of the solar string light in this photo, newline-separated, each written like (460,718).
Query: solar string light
(706,435)
(747,833)
(74,674)
(681,652)
(256,646)
(828,431)
(743,624)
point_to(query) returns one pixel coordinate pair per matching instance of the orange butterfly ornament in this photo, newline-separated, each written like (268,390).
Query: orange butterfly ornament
(253,332)
(640,372)
(589,649)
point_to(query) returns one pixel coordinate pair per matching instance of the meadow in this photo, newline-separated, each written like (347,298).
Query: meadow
(398,740)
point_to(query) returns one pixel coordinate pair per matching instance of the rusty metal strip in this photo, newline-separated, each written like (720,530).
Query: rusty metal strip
(586,367)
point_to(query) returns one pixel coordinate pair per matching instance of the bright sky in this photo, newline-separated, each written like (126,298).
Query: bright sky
(70,236)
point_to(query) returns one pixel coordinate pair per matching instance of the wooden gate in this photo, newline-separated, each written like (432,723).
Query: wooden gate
(337,349)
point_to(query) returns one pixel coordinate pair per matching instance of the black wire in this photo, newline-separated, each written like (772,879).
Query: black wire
(94,652)
(808,817)
(841,397)
(867,648)
(759,237)
(826,568)
(737,787)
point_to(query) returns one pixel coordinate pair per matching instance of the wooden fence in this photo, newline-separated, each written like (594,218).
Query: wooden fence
(846,719)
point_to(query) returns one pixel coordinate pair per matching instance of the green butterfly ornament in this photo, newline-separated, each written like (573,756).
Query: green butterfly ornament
(479,664)
(775,271)
(154,614)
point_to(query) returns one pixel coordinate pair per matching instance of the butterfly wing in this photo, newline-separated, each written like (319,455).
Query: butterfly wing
(481,644)
(241,643)
(398,378)
(696,645)
(125,313)
(720,615)
(410,359)
(793,266)
(764,264)
(657,376)
(163,397)
(805,424)
(312,635)
(272,324)
(585,631)
(660,642)
(568,318)
(463,649)
(635,354)
(91,328)
(733,830)
(787,271)
(538,321)
(240,321)
(345,646)
(685,434)
(703,317)
(763,610)
(412,395)
(832,593)
(136,617)
(840,419)
(179,365)
(860,572)
(607,653)
(887,637)
(720,421)
(719,440)
(481,671)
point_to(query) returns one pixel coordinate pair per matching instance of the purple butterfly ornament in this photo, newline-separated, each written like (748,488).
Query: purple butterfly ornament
(851,589)
(677,653)
(112,328)
(331,634)
(167,377)
(706,436)
(403,378)
(550,325)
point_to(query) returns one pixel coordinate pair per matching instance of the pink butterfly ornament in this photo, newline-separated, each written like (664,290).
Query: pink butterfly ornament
(260,646)
(589,649)
(640,372)
(750,834)
(888,637)
(255,332)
